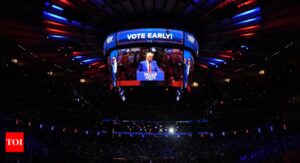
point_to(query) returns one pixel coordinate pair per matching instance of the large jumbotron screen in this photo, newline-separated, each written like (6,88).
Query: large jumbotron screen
(150,56)
(141,66)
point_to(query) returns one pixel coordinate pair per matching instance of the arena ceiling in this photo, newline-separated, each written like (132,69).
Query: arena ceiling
(231,33)
(236,40)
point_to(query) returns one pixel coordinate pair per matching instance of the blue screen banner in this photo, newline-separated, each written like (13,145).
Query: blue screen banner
(150,35)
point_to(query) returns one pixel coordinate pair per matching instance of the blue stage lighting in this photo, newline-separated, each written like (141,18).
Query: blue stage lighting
(57,36)
(256,19)
(252,11)
(57,8)
(54,16)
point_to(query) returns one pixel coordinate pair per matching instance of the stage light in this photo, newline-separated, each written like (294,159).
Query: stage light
(153,49)
(284,126)
(171,130)
(123,98)
(57,8)
(57,17)
(249,12)
(211,63)
(271,128)
(98,133)
(50,73)
(91,60)
(41,126)
(247,35)
(203,66)
(178,95)
(258,130)
(82,80)
(52,128)
(86,132)
(57,36)
(261,72)
(78,57)
(211,134)
(195,84)
(227,80)
(217,60)
(244,47)
(252,20)
(223,133)
(14,61)
(177,98)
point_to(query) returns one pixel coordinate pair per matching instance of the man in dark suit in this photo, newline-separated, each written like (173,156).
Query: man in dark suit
(149,65)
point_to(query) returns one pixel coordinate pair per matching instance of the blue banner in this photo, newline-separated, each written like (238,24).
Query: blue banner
(150,35)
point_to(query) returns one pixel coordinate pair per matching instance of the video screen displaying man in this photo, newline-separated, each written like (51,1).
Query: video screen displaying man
(186,72)
(114,68)
(167,66)
(149,65)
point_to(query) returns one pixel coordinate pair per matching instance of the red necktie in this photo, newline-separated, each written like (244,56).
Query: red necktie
(149,67)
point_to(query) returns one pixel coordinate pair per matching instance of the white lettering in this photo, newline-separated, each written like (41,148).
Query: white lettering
(136,36)
(14,142)
(149,36)
(159,35)
(154,35)
(150,76)
(169,36)
(129,37)
(8,141)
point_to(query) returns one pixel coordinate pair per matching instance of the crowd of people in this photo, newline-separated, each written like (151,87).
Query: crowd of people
(42,147)
(152,126)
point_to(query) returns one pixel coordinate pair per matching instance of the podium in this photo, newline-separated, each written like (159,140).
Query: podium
(150,76)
